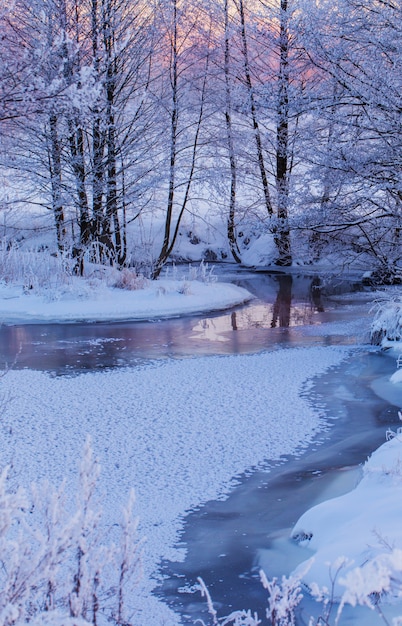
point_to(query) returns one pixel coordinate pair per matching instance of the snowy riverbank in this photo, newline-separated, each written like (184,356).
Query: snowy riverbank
(355,540)
(85,301)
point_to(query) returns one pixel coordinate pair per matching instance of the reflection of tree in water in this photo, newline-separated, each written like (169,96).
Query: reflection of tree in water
(282,312)
(281,309)
(315,291)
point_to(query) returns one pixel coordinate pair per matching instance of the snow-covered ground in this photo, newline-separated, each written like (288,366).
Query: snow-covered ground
(363,528)
(81,301)
(180,431)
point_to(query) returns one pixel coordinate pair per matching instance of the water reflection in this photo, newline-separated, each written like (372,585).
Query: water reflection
(282,302)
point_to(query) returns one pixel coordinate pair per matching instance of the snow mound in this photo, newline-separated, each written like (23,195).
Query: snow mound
(355,536)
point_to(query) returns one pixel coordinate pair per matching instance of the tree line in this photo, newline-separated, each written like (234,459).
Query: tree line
(282,115)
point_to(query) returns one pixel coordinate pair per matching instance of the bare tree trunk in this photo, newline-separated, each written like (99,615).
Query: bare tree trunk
(76,137)
(98,136)
(169,236)
(76,141)
(253,111)
(282,236)
(56,182)
(231,228)
(111,168)
(164,253)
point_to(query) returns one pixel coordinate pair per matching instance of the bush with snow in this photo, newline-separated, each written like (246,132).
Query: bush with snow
(58,565)
(128,279)
(33,269)
(387,323)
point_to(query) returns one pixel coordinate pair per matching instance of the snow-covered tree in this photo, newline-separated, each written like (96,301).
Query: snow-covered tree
(266,74)
(84,146)
(356,151)
(185,28)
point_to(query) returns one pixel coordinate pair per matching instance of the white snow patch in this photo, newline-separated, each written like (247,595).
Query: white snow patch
(178,431)
(396,377)
(161,298)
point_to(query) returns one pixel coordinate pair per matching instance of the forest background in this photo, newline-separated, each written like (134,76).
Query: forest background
(129,124)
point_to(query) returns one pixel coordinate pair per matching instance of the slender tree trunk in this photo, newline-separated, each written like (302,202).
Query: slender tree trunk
(282,236)
(56,182)
(111,210)
(111,213)
(169,236)
(231,229)
(164,253)
(98,136)
(76,135)
(76,141)
(253,111)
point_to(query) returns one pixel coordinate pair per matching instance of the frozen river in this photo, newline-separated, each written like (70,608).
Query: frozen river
(228,541)
(284,305)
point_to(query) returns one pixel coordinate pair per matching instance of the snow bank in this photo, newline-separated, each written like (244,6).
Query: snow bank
(81,302)
(357,538)
(396,377)
(178,431)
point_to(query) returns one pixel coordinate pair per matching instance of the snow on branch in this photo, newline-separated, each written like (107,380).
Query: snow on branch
(56,565)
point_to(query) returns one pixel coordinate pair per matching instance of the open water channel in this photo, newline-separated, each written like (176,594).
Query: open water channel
(228,541)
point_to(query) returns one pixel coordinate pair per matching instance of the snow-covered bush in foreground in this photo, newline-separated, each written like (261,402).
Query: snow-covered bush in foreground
(283,598)
(237,618)
(387,323)
(364,586)
(58,566)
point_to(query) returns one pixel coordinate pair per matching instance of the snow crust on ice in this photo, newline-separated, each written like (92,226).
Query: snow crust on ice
(161,298)
(178,431)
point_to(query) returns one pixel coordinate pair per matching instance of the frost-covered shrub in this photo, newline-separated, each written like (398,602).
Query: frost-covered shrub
(128,279)
(33,269)
(364,586)
(184,288)
(58,567)
(283,598)
(379,576)
(203,272)
(387,323)
(236,618)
